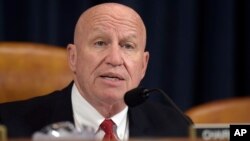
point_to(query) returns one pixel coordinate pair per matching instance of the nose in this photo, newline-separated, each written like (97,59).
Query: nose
(114,56)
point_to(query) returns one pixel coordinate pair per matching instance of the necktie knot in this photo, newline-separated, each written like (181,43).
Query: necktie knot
(108,127)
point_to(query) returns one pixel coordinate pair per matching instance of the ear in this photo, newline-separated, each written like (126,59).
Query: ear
(72,56)
(145,63)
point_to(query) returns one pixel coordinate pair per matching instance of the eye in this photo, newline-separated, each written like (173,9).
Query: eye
(128,46)
(100,43)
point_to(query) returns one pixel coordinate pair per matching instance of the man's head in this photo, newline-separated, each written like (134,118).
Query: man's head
(108,56)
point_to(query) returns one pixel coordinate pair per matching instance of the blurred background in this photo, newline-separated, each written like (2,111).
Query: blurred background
(199,49)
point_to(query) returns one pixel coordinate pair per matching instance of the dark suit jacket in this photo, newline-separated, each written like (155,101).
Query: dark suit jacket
(149,119)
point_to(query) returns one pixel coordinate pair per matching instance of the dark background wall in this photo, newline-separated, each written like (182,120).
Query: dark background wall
(200,49)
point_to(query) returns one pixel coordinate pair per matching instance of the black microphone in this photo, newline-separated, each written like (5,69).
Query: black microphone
(136,96)
(139,95)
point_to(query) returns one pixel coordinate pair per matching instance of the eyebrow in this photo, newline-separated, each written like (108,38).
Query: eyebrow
(99,31)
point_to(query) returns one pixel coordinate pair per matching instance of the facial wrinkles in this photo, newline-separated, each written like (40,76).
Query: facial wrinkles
(116,23)
(121,29)
(127,19)
(99,68)
(120,25)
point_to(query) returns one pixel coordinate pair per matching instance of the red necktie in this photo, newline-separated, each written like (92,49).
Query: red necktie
(108,127)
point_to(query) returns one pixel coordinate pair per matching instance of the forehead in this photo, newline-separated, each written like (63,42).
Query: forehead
(107,24)
(112,20)
(116,11)
(111,17)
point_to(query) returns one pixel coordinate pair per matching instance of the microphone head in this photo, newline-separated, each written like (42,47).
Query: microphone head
(136,96)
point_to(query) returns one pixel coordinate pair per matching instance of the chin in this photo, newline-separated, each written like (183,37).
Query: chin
(113,95)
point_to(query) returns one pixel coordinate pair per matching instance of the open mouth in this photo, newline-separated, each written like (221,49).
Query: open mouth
(112,76)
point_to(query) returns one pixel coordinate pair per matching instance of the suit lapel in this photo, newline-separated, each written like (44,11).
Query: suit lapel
(138,122)
(62,111)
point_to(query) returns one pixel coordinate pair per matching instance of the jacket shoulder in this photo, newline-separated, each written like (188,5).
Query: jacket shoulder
(24,117)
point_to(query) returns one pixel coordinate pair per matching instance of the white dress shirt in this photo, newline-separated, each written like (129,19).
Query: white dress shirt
(86,115)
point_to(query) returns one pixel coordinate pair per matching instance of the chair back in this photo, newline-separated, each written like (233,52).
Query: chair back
(232,110)
(31,69)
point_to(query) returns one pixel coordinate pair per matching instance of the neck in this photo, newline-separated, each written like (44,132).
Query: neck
(109,110)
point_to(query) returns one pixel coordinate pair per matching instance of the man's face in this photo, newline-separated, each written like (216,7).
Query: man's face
(109,57)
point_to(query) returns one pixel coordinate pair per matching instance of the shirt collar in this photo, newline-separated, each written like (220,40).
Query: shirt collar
(85,114)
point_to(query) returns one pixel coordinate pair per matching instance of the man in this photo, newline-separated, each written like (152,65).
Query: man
(108,58)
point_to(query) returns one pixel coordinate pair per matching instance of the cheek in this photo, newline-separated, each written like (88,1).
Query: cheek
(135,70)
(84,66)
(89,64)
